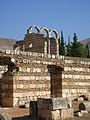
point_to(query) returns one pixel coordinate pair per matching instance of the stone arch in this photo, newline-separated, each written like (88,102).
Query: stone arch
(46,48)
(55,32)
(46,30)
(36,27)
(56,39)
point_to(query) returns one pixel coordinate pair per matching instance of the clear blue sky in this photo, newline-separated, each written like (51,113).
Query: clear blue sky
(67,15)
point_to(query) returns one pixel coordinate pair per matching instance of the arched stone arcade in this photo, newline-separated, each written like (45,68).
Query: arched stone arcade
(56,37)
(46,30)
(48,35)
(46,44)
(30,30)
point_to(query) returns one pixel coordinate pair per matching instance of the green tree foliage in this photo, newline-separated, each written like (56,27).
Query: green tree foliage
(88,52)
(74,46)
(77,49)
(74,49)
(62,46)
(59,44)
(68,46)
(82,51)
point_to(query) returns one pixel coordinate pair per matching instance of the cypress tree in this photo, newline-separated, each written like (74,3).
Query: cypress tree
(74,50)
(59,44)
(62,46)
(68,47)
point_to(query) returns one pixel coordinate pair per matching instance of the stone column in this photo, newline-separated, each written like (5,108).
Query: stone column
(45,48)
(57,52)
(49,46)
(23,47)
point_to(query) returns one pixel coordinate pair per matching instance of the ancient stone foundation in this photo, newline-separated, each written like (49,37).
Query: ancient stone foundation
(33,75)
(54,108)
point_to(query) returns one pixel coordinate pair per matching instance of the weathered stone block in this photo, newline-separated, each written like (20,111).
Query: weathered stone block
(80,99)
(55,103)
(78,114)
(40,103)
(28,70)
(55,115)
(32,77)
(66,113)
(7,102)
(21,101)
(15,101)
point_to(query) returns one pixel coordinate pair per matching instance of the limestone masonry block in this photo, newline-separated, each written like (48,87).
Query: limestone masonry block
(28,70)
(55,103)
(32,77)
(15,101)
(66,113)
(55,115)
(48,78)
(34,80)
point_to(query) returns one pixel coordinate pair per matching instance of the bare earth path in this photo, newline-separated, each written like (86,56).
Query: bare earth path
(23,114)
(85,117)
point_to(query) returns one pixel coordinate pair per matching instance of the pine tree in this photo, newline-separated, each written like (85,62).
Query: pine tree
(82,51)
(77,49)
(62,46)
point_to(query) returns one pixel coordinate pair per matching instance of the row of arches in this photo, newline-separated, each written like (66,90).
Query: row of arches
(48,35)
(40,30)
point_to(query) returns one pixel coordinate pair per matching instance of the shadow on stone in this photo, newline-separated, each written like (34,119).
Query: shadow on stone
(28,117)
(82,106)
(33,108)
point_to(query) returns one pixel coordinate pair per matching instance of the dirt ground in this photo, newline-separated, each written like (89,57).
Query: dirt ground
(85,117)
(24,114)
(15,112)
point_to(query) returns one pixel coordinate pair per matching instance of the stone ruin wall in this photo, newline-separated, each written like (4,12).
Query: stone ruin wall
(33,80)
(34,42)
(76,77)
(37,41)
(3,69)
